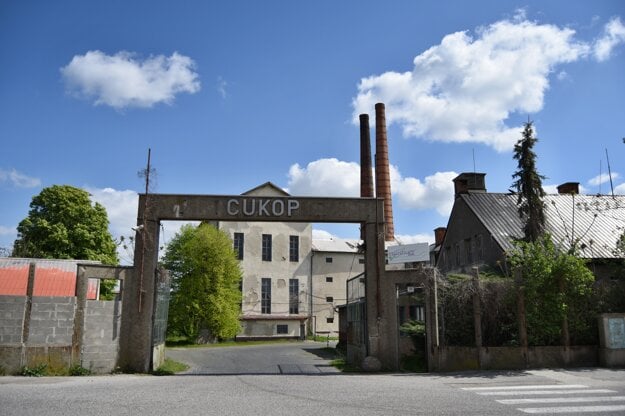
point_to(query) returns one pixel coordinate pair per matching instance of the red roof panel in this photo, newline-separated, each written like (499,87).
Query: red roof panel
(14,280)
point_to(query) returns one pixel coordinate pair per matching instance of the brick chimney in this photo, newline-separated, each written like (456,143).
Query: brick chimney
(366,168)
(382,172)
(468,182)
(439,235)
(569,188)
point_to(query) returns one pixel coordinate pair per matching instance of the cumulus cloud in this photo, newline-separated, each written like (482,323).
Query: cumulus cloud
(121,207)
(613,35)
(124,80)
(322,235)
(332,177)
(620,189)
(325,177)
(435,192)
(18,180)
(465,88)
(603,178)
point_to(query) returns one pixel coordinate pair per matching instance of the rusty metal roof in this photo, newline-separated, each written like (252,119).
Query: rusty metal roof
(593,222)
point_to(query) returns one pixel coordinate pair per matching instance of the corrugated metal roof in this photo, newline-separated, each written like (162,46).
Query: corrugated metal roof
(52,277)
(335,245)
(14,280)
(594,222)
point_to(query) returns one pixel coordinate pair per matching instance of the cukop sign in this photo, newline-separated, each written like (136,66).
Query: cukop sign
(262,207)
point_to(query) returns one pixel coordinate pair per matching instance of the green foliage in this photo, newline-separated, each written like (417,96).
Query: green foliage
(63,224)
(557,285)
(205,283)
(78,371)
(528,185)
(39,370)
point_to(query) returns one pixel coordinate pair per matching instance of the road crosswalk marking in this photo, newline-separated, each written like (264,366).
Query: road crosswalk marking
(534,394)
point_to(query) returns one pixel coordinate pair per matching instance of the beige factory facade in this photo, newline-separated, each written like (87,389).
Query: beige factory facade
(292,284)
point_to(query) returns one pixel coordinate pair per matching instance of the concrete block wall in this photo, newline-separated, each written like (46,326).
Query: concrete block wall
(12,310)
(100,347)
(52,320)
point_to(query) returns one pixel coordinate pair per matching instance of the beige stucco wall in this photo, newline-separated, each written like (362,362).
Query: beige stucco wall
(279,269)
(343,267)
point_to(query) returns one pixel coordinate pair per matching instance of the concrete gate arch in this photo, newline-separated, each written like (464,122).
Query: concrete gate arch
(136,349)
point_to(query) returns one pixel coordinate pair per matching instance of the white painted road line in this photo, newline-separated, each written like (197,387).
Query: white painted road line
(564,400)
(573,409)
(543,392)
(538,386)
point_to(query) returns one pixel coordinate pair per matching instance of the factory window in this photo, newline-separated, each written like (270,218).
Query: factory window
(265,295)
(266,247)
(361,261)
(239,241)
(329,299)
(293,248)
(282,329)
(330,320)
(329,279)
(328,259)
(293,296)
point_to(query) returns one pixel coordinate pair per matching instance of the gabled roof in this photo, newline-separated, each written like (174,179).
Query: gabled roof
(266,189)
(594,222)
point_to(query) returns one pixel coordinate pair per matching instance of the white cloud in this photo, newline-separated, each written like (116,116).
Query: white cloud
(465,88)
(325,177)
(121,207)
(620,189)
(417,238)
(436,192)
(222,84)
(613,35)
(603,178)
(17,179)
(332,177)
(322,235)
(123,80)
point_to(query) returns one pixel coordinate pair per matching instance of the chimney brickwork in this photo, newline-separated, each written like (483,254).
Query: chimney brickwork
(382,170)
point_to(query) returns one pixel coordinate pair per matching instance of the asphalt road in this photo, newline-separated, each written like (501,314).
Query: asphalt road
(206,391)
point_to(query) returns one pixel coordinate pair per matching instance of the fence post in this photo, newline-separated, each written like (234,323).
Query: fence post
(477,314)
(521,317)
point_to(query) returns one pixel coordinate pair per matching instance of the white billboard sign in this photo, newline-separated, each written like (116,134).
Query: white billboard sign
(409,253)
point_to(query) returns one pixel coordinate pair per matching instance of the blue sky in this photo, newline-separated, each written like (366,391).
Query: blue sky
(229,95)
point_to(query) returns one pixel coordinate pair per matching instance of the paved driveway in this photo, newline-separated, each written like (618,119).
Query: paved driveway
(284,358)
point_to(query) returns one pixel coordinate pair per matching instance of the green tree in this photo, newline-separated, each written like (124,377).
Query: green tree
(557,286)
(528,185)
(205,283)
(63,223)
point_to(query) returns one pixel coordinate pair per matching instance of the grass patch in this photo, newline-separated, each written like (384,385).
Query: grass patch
(170,367)
(39,370)
(343,366)
(321,338)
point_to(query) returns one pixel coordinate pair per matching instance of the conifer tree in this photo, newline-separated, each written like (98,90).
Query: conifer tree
(528,185)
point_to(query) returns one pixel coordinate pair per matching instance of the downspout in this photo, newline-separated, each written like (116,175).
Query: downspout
(310,296)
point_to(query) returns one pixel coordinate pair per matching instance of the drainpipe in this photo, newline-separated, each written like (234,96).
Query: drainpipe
(310,294)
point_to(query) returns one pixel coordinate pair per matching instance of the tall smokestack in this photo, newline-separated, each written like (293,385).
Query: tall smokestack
(382,172)
(366,174)
(366,168)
